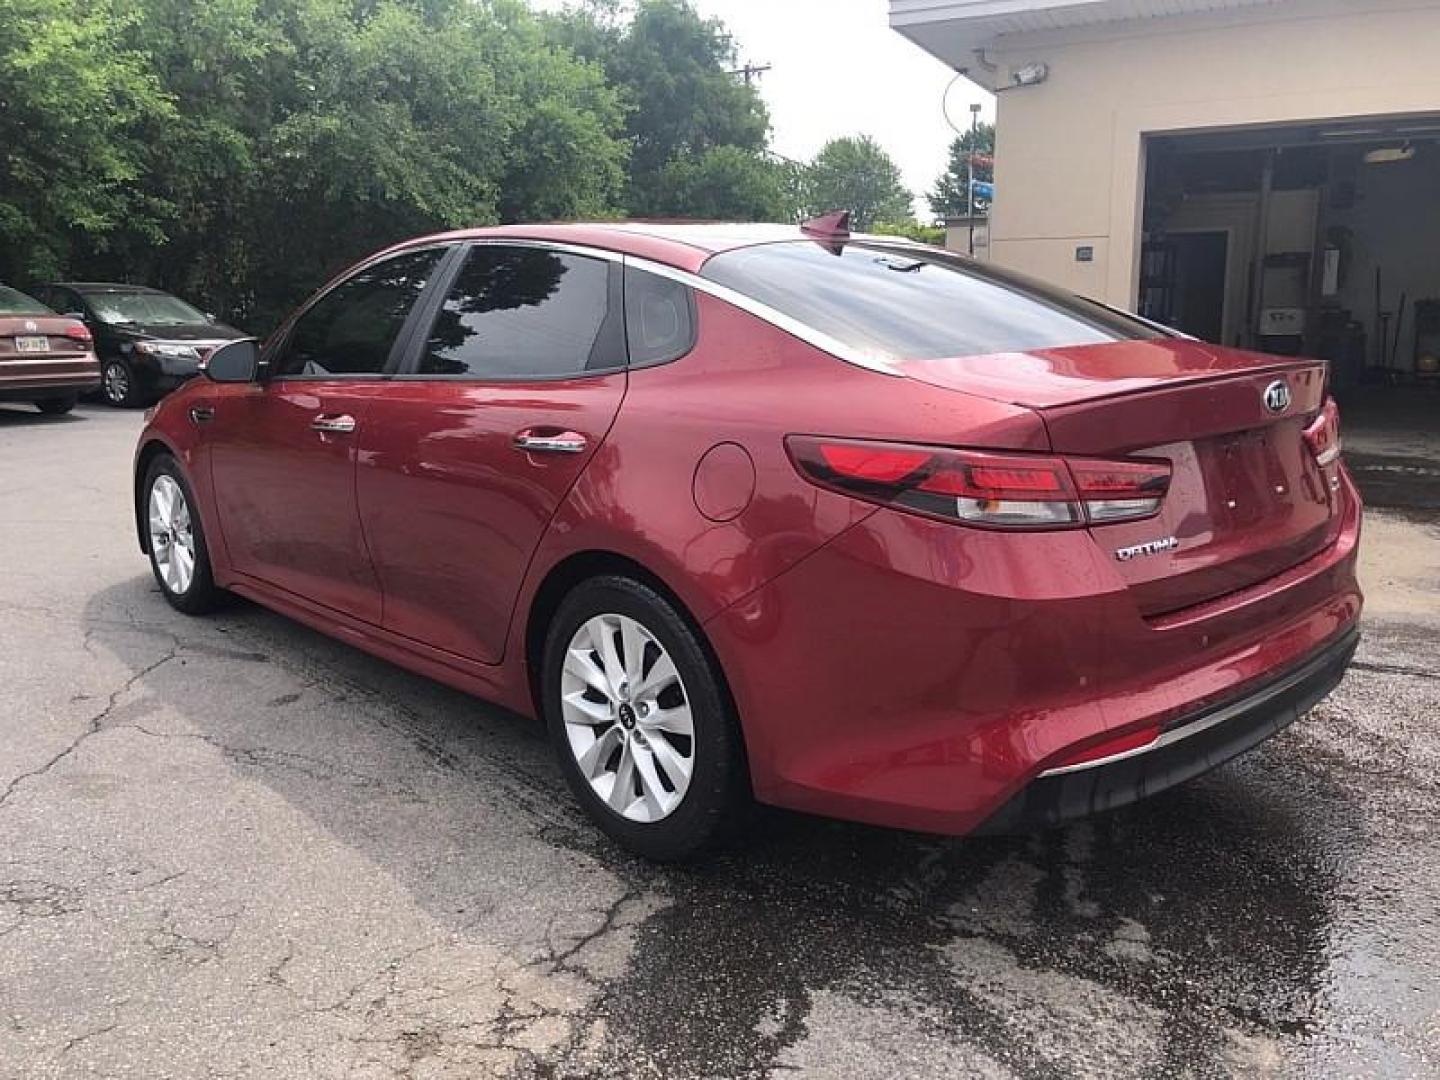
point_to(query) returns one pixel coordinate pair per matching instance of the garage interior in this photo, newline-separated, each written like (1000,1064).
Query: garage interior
(1322,240)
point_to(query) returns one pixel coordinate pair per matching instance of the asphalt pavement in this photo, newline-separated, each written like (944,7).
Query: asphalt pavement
(232,847)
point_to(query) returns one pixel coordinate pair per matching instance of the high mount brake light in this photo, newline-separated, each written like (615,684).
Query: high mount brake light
(999,490)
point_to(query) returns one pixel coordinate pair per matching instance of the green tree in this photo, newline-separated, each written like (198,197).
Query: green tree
(948,196)
(728,183)
(673,69)
(856,174)
(911,230)
(74,102)
(311,132)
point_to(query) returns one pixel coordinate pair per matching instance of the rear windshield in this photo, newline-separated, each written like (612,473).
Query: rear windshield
(14,302)
(916,303)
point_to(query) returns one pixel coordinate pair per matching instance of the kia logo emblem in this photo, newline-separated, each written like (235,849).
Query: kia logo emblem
(1277,396)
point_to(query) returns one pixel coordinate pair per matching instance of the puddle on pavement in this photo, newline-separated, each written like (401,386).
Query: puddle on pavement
(1408,485)
(1184,932)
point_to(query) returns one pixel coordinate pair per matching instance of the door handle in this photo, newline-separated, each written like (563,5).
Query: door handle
(333,425)
(202,414)
(561,442)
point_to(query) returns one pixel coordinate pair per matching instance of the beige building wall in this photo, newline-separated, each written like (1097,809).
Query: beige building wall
(1069,169)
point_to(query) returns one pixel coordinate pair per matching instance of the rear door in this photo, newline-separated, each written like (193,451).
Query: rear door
(510,387)
(283,450)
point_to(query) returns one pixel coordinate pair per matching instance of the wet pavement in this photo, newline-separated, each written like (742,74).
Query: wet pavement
(232,847)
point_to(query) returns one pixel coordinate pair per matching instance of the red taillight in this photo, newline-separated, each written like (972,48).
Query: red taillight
(1008,491)
(871,462)
(1323,434)
(1120,490)
(78,331)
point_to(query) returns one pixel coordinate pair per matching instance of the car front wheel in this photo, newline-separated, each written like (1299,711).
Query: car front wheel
(178,554)
(117,383)
(641,722)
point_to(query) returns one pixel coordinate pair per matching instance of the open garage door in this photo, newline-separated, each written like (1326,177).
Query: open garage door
(1322,239)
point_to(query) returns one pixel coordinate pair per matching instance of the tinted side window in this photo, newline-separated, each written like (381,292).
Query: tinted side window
(525,312)
(349,330)
(659,317)
(915,302)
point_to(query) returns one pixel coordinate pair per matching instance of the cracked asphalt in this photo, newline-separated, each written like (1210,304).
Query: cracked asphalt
(232,847)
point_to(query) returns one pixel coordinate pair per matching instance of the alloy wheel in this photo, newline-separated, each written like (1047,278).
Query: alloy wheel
(117,383)
(627,718)
(172,539)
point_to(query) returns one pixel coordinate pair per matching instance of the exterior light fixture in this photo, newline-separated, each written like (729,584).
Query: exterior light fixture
(1030,74)
(1387,155)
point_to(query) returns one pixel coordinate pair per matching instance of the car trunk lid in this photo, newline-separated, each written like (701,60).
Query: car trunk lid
(34,336)
(1248,498)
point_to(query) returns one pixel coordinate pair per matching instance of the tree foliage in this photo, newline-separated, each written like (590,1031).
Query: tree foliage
(239,152)
(75,101)
(727,183)
(675,72)
(948,196)
(911,230)
(854,173)
(252,147)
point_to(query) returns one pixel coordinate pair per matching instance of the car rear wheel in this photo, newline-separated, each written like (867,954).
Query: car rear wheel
(640,721)
(178,555)
(56,405)
(117,383)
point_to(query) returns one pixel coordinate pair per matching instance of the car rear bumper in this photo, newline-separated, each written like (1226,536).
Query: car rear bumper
(43,378)
(922,676)
(1188,747)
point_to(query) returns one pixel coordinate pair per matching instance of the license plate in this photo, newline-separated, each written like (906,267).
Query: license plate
(32,344)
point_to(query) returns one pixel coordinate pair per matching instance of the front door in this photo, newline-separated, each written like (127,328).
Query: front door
(283,451)
(466,457)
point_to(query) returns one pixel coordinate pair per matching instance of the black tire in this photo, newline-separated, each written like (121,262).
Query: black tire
(201,594)
(56,406)
(717,802)
(118,385)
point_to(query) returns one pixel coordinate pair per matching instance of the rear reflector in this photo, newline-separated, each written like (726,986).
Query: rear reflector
(1323,434)
(1124,744)
(999,490)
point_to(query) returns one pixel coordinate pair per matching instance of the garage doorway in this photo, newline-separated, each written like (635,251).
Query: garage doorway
(1321,239)
(1197,305)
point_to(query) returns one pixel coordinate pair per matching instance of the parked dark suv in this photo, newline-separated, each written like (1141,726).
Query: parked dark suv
(148,341)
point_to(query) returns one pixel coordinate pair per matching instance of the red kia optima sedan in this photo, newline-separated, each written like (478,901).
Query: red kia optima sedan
(828,521)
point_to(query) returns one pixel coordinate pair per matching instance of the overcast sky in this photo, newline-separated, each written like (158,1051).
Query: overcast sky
(838,69)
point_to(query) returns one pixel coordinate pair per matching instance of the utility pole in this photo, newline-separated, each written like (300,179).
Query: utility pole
(750,71)
(970,171)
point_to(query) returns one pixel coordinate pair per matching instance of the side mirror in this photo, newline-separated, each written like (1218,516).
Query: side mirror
(234,362)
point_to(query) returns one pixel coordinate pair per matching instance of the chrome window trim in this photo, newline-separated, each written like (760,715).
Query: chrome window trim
(778,319)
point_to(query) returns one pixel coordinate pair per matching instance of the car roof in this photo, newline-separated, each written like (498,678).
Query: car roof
(105,286)
(685,245)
